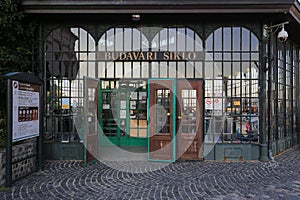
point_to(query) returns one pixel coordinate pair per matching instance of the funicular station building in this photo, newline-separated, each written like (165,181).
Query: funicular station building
(188,79)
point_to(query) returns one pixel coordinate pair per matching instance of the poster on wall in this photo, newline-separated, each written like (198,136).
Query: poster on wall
(65,104)
(25,111)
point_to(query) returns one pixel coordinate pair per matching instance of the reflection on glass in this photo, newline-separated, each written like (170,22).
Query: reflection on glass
(110,70)
(162,111)
(163,70)
(198,70)
(227,38)
(245,39)
(127,70)
(237,39)
(136,69)
(172,69)
(145,70)
(181,70)
(218,40)
(188,122)
(119,39)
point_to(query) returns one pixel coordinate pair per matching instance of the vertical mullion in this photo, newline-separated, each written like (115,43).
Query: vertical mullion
(194,49)
(176,50)
(168,45)
(132,43)
(87,54)
(115,48)
(284,88)
(105,48)
(123,38)
(185,49)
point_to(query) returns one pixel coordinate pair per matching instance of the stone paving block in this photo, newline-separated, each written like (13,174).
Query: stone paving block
(180,180)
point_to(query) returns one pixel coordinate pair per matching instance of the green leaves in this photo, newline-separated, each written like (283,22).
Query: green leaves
(17,41)
(16,37)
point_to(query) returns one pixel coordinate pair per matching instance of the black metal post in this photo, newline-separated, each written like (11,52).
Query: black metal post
(41,110)
(269,94)
(262,102)
(298,97)
(9,135)
(41,125)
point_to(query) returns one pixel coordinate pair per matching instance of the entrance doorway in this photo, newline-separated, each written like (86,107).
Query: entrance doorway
(164,114)
(176,119)
(123,113)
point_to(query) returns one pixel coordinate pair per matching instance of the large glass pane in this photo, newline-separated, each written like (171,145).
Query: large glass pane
(128,39)
(163,40)
(172,70)
(245,39)
(154,70)
(181,70)
(119,70)
(190,70)
(162,111)
(208,70)
(127,69)
(136,35)
(173,39)
(92,69)
(198,70)
(181,39)
(254,43)
(227,69)
(188,121)
(163,70)
(110,69)
(227,39)
(190,41)
(101,69)
(110,40)
(145,70)
(237,39)
(136,69)
(218,40)
(119,39)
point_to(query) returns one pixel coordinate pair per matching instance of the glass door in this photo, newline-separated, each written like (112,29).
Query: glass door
(91,119)
(189,119)
(176,119)
(162,120)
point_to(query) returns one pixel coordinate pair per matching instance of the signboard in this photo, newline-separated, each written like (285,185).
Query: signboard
(25,111)
(151,56)
(215,103)
(65,104)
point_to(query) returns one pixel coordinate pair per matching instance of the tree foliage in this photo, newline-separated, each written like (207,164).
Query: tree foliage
(16,37)
(17,41)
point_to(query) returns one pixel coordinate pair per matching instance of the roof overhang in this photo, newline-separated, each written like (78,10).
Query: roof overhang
(278,10)
(157,6)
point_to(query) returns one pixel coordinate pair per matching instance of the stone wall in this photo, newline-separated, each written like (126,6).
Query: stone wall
(19,153)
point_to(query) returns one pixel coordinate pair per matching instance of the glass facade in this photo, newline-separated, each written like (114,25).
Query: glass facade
(284,87)
(231,85)
(228,61)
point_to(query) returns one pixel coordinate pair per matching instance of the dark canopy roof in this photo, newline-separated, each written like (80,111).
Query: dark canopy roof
(156,6)
(165,6)
(265,10)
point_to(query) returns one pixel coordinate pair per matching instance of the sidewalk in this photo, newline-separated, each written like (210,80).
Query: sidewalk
(180,180)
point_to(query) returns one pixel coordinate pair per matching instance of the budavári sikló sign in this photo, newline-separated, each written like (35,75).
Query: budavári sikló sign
(150,56)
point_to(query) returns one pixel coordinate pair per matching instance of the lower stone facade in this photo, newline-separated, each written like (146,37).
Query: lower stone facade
(20,154)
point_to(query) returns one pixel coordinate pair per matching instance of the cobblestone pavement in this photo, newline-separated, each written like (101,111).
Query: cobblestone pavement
(180,180)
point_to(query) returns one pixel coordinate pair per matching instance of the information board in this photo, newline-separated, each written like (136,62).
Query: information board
(25,111)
